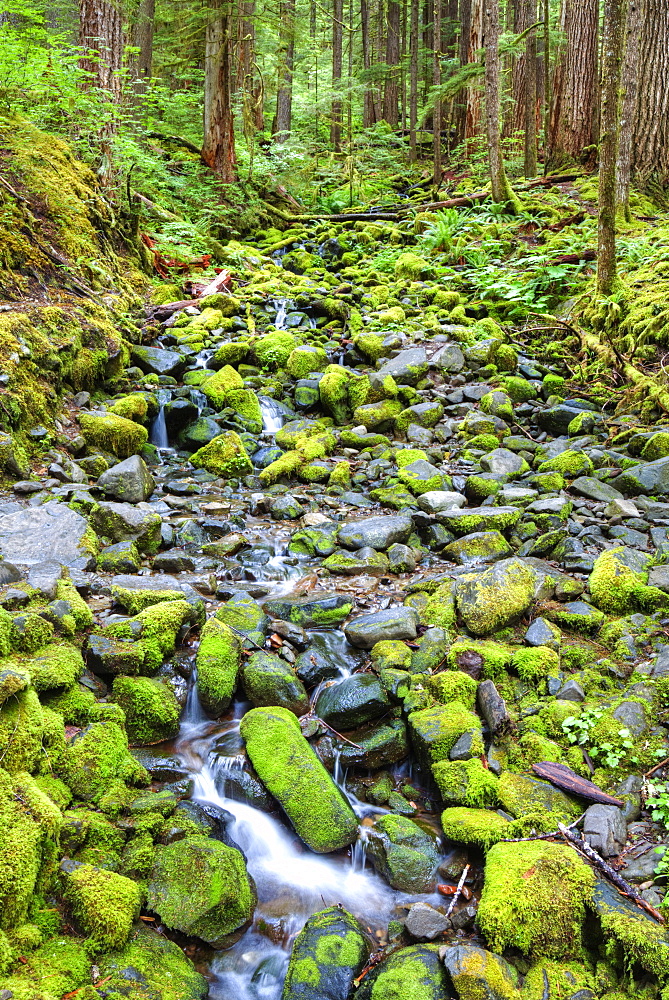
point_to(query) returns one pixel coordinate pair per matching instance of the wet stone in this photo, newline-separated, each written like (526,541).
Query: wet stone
(425,923)
(352,702)
(366,630)
(605,829)
(376,532)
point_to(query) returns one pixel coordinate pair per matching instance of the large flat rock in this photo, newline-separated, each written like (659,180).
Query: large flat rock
(50,533)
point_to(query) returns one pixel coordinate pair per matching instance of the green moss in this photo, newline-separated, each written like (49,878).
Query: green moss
(303,360)
(134,601)
(159,627)
(289,768)
(151,710)
(233,353)
(247,408)
(112,433)
(218,661)
(630,937)
(535,663)
(435,731)
(440,607)
(217,386)
(391,653)
(103,903)
(96,758)
(569,463)
(617,590)
(453,685)
(80,611)
(493,658)
(200,887)
(410,265)
(29,632)
(61,966)
(54,666)
(534,899)
(465,783)
(341,391)
(523,796)
(21,731)
(273,350)
(133,407)
(162,965)
(225,456)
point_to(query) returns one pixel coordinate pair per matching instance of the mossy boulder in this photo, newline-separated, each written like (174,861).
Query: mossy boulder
(110,432)
(97,758)
(21,731)
(289,768)
(306,359)
(247,409)
(224,456)
(534,899)
(403,853)
(521,795)
(155,630)
(328,954)
(217,386)
(569,464)
(270,680)
(341,391)
(150,707)
(618,584)
(414,973)
(103,903)
(273,350)
(218,660)
(466,783)
(435,731)
(489,601)
(200,887)
(157,964)
(53,667)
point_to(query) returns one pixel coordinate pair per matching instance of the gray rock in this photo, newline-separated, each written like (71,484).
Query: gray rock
(629,791)
(556,419)
(642,867)
(658,667)
(493,707)
(44,578)
(50,533)
(475,972)
(543,633)
(631,715)
(479,547)
(121,521)
(658,576)
(397,623)
(489,601)
(621,508)
(121,557)
(605,829)
(352,702)
(408,367)
(67,471)
(449,358)
(650,478)
(377,532)
(571,691)
(425,923)
(462,748)
(501,461)
(435,501)
(587,486)
(130,481)
(156,361)
(401,559)
(286,508)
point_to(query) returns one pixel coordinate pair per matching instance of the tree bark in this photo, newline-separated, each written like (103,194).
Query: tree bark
(530,91)
(390,91)
(573,108)
(101,36)
(500,189)
(218,148)
(413,82)
(284,93)
(612,50)
(463,52)
(368,115)
(337,56)
(651,132)
(475,44)
(141,35)
(436,80)
(630,92)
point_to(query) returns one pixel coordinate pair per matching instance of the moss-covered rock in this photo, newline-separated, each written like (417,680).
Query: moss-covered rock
(534,899)
(403,853)
(466,783)
(617,588)
(96,759)
(217,386)
(164,969)
(225,456)
(218,660)
(489,601)
(291,771)
(270,680)
(155,630)
(103,903)
(150,708)
(200,886)
(435,731)
(415,973)
(21,731)
(327,955)
(110,432)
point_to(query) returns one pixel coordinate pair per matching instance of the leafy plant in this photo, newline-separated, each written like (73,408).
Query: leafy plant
(578,729)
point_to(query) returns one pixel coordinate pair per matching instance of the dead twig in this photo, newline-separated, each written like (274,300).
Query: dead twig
(458,890)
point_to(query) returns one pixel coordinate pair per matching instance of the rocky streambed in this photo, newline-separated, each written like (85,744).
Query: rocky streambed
(289,616)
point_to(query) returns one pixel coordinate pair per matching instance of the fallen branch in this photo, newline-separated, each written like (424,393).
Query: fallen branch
(610,873)
(458,891)
(568,781)
(177,140)
(158,209)
(540,836)
(657,767)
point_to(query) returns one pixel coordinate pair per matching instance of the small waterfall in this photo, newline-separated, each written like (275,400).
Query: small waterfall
(281,306)
(158,434)
(272,416)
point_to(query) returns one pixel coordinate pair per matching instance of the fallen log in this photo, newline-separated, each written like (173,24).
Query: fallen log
(608,872)
(168,308)
(493,708)
(564,778)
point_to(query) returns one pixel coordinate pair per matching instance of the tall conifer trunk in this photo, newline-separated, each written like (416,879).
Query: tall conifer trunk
(218,148)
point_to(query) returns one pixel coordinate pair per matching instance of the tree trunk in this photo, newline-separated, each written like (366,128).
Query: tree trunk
(337,55)
(530,91)
(500,189)
(101,36)
(141,35)
(519,71)
(651,132)
(473,118)
(284,93)
(436,80)
(612,49)
(390,92)
(630,92)
(573,110)
(218,148)
(461,106)
(413,82)
(368,115)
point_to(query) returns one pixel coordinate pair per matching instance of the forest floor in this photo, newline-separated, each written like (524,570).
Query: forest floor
(403,480)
